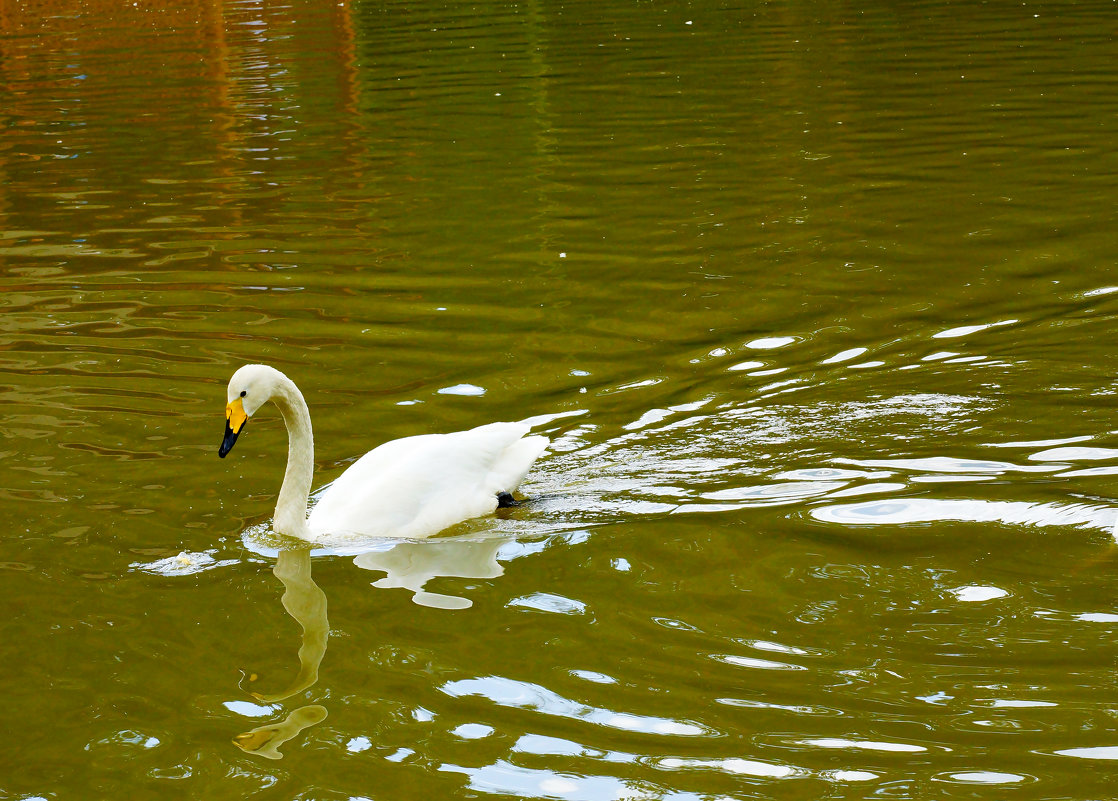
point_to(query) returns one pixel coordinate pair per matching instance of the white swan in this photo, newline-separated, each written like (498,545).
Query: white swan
(411,487)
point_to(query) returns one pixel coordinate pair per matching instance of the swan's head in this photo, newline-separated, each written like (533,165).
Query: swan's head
(249,389)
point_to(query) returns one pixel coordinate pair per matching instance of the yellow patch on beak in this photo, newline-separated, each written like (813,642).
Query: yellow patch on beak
(235,419)
(235,415)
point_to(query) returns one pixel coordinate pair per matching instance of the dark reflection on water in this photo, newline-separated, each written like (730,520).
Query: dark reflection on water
(816,304)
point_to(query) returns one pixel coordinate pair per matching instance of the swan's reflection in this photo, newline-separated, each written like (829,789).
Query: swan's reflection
(409,564)
(412,563)
(306,603)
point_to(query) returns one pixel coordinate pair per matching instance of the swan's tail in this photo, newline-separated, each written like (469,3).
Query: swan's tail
(517,460)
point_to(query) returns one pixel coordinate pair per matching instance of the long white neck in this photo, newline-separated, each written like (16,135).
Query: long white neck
(291,505)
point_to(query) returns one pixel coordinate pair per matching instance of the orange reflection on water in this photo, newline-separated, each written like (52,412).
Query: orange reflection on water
(108,97)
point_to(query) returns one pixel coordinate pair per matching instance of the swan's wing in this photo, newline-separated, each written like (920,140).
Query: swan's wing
(417,486)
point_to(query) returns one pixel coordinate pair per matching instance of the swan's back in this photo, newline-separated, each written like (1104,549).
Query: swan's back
(418,486)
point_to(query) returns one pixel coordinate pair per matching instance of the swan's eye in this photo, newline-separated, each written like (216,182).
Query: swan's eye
(244,392)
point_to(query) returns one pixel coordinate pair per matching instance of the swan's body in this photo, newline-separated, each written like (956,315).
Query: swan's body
(411,487)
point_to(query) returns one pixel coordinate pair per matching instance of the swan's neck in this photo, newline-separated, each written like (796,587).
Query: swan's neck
(291,505)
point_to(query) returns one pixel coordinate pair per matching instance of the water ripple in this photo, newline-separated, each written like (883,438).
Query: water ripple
(906,511)
(525,695)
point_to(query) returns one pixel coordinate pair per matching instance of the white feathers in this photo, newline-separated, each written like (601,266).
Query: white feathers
(417,486)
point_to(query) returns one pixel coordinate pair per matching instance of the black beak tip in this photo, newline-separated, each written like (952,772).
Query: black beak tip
(227,442)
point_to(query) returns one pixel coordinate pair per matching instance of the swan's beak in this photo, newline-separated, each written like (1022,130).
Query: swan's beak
(235,419)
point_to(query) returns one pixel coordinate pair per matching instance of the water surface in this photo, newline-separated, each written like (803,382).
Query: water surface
(815,304)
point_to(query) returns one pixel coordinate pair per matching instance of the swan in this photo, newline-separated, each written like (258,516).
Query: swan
(410,488)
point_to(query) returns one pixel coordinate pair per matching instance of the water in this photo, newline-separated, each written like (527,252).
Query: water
(815,304)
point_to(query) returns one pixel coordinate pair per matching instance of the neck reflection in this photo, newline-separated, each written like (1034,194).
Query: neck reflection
(306,602)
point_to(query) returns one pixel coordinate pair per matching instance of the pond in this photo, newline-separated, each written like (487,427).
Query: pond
(814,303)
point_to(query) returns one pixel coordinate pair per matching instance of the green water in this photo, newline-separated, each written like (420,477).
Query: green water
(815,303)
